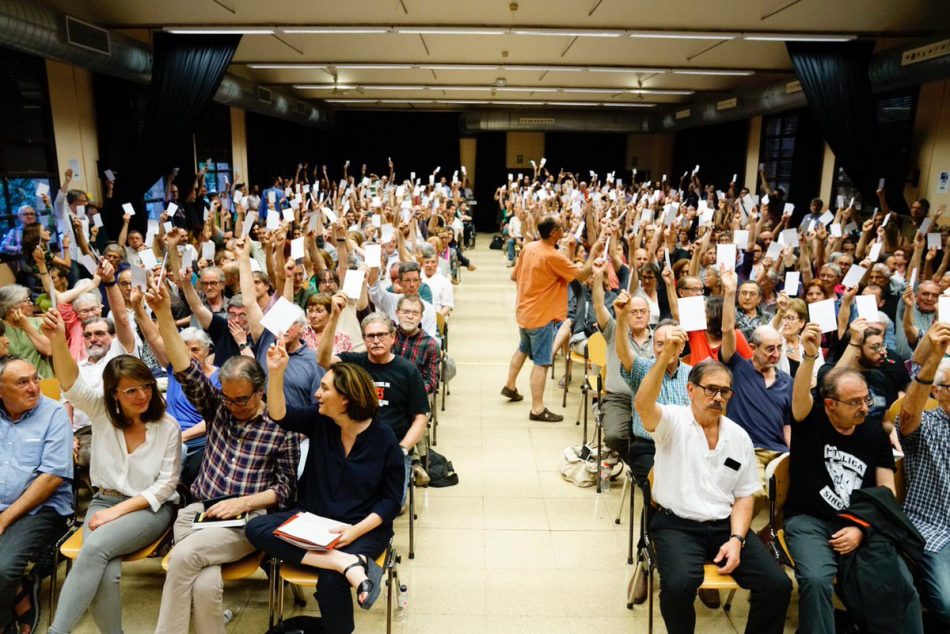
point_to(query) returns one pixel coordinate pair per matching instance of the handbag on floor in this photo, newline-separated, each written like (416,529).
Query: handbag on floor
(497,242)
(581,463)
(440,470)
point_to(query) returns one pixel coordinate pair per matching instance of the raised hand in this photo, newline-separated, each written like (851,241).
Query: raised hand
(811,338)
(277,357)
(53,325)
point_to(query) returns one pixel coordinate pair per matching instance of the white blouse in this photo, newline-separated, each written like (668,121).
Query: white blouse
(152,470)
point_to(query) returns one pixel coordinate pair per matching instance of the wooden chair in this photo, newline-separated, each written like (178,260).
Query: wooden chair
(777,474)
(302,576)
(595,353)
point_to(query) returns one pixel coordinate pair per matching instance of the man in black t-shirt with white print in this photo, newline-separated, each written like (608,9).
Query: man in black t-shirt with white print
(835,450)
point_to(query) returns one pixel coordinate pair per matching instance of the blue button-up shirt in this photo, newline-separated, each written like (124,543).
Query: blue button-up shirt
(672,390)
(41,441)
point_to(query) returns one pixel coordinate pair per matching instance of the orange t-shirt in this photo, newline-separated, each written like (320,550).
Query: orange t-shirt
(700,350)
(542,275)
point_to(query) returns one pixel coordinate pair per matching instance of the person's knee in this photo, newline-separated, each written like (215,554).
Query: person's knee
(185,559)
(681,581)
(814,580)
(208,589)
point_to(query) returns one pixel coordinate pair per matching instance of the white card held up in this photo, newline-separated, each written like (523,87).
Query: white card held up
(934,241)
(851,227)
(88,263)
(42,189)
(887,219)
(187,259)
(666,259)
(835,230)
(97,220)
(139,277)
(742,238)
(110,176)
(172,208)
(747,202)
(373,255)
(774,250)
(854,276)
(826,218)
(880,183)
(840,201)
(288,214)
(207,251)
(377,220)
(273,221)
(726,256)
(328,214)
(353,283)
(789,237)
(81,211)
(913,279)
(149,261)
(281,316)
(272,197)
(791,283)
(386,233)
(168,226)
(765,199)
(875,251)
(128,208)
(867,307)
(943,309)
(692,313)
(255,265)
(925,225)
(789,209)
(249,221)
(296,249)
(823,314)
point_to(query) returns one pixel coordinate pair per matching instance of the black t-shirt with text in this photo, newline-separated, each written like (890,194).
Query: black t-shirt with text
(826,466)
(399,387)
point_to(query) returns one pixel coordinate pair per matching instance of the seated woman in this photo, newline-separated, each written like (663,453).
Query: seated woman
(318,314)
(354,474)
(135,463)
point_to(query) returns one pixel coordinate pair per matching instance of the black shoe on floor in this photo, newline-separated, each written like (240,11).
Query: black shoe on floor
(512,395)
(710,598)
(546,416)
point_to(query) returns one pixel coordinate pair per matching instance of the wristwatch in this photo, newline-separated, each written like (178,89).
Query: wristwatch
(740,538)
(242,346)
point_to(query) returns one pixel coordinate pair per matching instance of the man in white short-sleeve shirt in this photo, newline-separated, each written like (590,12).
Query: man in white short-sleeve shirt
(704,479)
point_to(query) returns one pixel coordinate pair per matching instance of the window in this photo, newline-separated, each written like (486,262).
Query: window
(212,140)
(155,199)
(777,151)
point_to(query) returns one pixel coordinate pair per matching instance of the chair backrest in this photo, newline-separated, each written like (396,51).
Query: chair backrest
(900,480)
(440,323)
(597,350)
(50,388)
(777,475)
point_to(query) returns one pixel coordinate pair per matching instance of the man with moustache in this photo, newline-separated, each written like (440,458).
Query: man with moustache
(413,344)
(915,316)
(704,480)
(836,449)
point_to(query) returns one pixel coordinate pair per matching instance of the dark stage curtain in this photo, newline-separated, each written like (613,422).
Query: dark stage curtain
(186,73)
(834,77)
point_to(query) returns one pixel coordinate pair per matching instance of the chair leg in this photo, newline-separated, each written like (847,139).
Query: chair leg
(300,601)
(412,518)
(445,389)
(584,406)
(52,587)
(272,592)
(623,495)
(650,600)
(389,596)
(632,515)
(728,604)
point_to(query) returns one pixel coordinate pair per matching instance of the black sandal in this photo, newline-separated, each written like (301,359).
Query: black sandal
(30,616)
(370,585)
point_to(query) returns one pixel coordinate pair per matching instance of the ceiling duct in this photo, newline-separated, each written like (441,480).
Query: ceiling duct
(37,29)
(551,121)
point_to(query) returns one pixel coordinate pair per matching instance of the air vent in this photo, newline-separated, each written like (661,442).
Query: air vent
(87,36)
(923,53)
(302,108)
(536,120)
(792,87)
(263,95)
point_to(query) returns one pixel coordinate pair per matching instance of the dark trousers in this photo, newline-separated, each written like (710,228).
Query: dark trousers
(334,593)
(683,546)
(640,455)
(19,544)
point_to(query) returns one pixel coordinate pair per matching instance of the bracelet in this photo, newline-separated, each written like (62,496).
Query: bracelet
(813,357)
(739,537)
(856,345)
(923,382)
(109,284)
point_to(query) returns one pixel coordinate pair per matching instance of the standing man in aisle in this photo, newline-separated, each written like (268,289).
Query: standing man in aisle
(542,275)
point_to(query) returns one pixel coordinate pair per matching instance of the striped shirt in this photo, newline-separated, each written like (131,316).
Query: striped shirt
(241,458)
(927,466)
(672,390)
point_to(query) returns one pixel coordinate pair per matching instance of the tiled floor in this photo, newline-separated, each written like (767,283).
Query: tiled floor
(511,548)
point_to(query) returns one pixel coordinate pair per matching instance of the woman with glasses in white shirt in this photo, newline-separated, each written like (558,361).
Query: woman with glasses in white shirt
(135,464)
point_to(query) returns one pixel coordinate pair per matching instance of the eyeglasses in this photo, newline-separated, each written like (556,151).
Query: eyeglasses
(211,283)
(942,386)
(376,336)
(712,390)
(239,401)
(142,390)
(867,400)
(97,333)
(877,347)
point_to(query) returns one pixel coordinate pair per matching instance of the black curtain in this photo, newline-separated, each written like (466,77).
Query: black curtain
(186,73)
(581,152)
(834,78)
(490,174)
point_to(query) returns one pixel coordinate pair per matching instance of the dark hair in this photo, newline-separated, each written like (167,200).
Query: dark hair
(409,267)
(924,204)
(706,367)
(829,382)
(714,315)
(357,386)
(412,299)
(30,239)
(128,367)
(546,225)
(241,368)
(818,202)
(73,195)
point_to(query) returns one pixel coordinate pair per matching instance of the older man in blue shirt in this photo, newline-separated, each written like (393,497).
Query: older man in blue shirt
(36,467)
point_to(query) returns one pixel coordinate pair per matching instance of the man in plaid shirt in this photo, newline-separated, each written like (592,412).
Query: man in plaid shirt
(413,344)
(249,466)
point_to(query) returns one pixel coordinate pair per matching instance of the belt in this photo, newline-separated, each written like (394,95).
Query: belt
(666,511)
(110,493)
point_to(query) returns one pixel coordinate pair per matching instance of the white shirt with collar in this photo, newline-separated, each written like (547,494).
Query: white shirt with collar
(693,481)
(442,292)
(387,302)
(91,372)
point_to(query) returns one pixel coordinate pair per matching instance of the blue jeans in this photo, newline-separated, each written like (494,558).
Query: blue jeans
(405,489)
(538,343)
(935,573)
(511,249)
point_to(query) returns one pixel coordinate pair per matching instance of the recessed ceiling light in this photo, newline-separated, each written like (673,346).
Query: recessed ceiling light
(219,30)
(713,72)
(798,37)
(683,35)
(334,30)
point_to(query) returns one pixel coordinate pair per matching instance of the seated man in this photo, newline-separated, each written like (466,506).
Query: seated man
(249,466)
(926,436)
(836,449)
(704,481)
(409,284)
(36,498)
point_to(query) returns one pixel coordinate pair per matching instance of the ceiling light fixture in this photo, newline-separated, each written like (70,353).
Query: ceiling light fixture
(713,72)
(458,66)
(524,89)
(419,30)
(219,30)
(384,66)
(798,37)
(683,35)
(288,66)
(566,32)
(335,30)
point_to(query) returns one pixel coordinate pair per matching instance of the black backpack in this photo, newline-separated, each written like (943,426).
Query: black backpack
(497,242)
(299,625)
(441,472)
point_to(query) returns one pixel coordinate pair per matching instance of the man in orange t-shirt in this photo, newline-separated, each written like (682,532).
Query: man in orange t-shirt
(542,275)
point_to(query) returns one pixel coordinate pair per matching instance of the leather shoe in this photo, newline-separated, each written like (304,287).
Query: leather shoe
(512,395)
(546,416)
(640,585)
(710,598)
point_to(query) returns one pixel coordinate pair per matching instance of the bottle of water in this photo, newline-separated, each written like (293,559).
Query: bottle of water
(402,602)
(228,616)
(604,476)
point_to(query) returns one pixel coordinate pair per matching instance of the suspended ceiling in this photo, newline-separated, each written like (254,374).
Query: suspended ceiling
(622,54)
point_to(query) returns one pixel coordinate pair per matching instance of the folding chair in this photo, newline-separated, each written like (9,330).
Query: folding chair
(297,576)
(777,474)
(46,564)
(595,353)
(628,483)
(443,327)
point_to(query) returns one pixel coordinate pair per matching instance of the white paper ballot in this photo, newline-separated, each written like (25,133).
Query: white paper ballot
(386,233)
(875,251)
(706,217)
(693,313)
(207,251)
(288,215)
(666,259)
(840,201)
(81,211)
(110,176)
(74,166)
(238,197)
(172,208)
(168,226)
(373,255)
(823,314)
(128,208)
(255,265)
(669,215)
(835,230)
(726,256)
(774,250)
(913,279)
(149,261)
(747,202)
(377,220)
(42,189)
(887,219)
(734,177)
(791,283)
(272,197)
(580,231)
(880,183)
(853,278)
(328,214)
(187,258)
(765,199)
(934,241)
(851,227)
(97,220)
(281,316)
(826,218)
(742,238)
(88,263)
(789,237)
(273,221)
(139,277)
(249,221)
(943,309)
(296,249)
(867,307)
(789,209)
(353,283)
(925,225)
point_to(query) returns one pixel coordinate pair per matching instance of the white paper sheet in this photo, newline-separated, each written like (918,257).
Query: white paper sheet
(826,218)
(74,166)
(128,208)
(925,225)
(934,241)
(373,255)
(880,183)
(789,237)
(791,283)
(88,263)
(207,251)
(742,238)
(329,215)
(281,316)
(692,313)
(823,314)
(249,221)
(172,208)
(139,277)
(288,214)
(853,278)
(386,233)
(97,220)
(887,219)
(42,189)
(774,250)
(867,307)
(272,197)
(353,283)
(875,251)
(297,249)
(149,261)
(835,230)
(726,256)
(110,176)
(789,209)
(913,279)
(273,221)
(168,226)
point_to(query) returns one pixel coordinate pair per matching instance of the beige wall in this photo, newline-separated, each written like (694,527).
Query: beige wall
(930,148)
(752,154)
(649,152)
(467,146)
(528,145)
(239,146)
(73,109)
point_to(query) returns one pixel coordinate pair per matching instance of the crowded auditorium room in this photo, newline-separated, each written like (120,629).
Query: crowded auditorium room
(309,316)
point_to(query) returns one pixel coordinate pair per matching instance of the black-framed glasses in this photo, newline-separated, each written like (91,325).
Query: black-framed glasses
(942,386)
(376,336)
(877,347)
(240,401)
(712,390)
(858,402)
